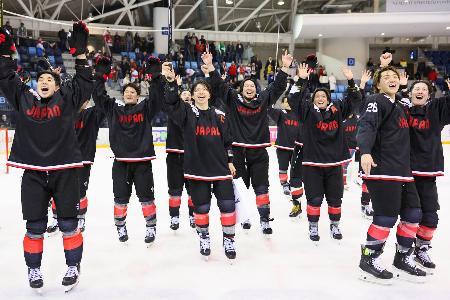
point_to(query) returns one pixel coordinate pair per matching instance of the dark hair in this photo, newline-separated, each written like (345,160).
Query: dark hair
(132,85)
(426,82)
(326,91)
(377,76)
(54,75)
(205,84)
(241,87)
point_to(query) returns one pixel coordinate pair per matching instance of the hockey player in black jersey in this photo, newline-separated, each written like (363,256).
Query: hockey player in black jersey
(250,130)
(46,147)
(207,159)
(287,128)
(131,140)
(426,118)
(174,162)
(324,149)
(384,141)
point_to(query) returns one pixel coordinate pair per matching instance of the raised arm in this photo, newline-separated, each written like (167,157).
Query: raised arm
(175,107)
(276,88)
(10,83)
(299,91)
(102,101)
(443,104)
(353,94)
(221,89)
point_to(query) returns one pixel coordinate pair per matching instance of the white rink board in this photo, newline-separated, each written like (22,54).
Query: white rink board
(286,267)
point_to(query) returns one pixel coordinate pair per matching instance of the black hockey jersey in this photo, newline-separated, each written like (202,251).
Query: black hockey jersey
(248,120)
(287,127)
(130,126)
(207,139)
(350,129)
(87,126)
(383,132)
(45,138)
(323,131)
(425,126)
(174,141)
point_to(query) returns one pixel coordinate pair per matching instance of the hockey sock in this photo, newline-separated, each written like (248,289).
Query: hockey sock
(379,231)
(174,206)
(282,174)
(201,222)
(190,206)
(149,212)
(228,221)
(82,208)
(334,213)
(408,226)
(365,196)
(72,240)
(120,213)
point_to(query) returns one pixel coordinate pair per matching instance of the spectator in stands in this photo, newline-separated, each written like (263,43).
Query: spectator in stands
(200,49)
(22,34)
(369,64)
(117,40)
(270,62)
(403,63)
(145,85)
(137,42)
(202,39)
(125,66)
(239,52)
(193,43)
(432,76)
(4,122)
(232,72)
(134,75)
(324,80)
(221,50)
(62,35)
(223,68)
(213,51)
(129,40)
(107,42)
(150,44)
(8,27)
(181,65)
(332,82)
(40,47)
(187,48)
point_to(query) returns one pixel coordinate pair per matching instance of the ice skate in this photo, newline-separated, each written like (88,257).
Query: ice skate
(205,245)
(405,267)
(371,268)
(174,223)
(296,209)
(314,232)
(53,228)
(423,258)
(286,189)
(150,235)
(81,224)
(35,279)
(265,227)
(335,232)
(192,221)
(71,278)
(123,234)
(246,225)
(367,211)
(229,247)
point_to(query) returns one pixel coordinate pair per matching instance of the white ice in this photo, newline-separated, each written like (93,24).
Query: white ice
(288,266)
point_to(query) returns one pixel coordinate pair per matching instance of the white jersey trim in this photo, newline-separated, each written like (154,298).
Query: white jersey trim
(388,178)
(47,168)
(428,174)
(284,148)
(170,150)
(252,145)
(208,178)
(314,164)
(135,159)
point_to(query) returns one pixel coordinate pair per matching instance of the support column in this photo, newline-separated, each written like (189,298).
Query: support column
(161,22)
(334,53)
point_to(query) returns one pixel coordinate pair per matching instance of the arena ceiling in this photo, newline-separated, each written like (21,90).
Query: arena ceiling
(232,15)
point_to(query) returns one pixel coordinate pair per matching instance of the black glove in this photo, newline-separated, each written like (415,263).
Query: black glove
(78,39)
(102,67)
(153,67)
(7,46)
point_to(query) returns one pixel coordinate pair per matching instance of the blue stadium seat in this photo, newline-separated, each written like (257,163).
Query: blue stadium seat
(131,55)
(22,50)
(49,51)
(123,53)
(32,51)
(39,52)
(59,60)
(341,88)
(58,52)
(194,65)
(51,59)
(34,84)
(340,96)
(333,96)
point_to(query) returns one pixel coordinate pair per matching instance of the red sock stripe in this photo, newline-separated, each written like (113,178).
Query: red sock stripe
(364,188)
(84,203)
(262,199)
(33,245)
(120,211)
(73,241)
(283,177)
(378,232)
(228,219)
(425,232)
(53,204)
(407,230)
(334,210)
(313,210)
(297,191)
(201,219)
(72,50)
(149,209)
(175,201)
(190,203)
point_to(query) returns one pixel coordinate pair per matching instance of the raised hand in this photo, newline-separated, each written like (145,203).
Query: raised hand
(78,39)
(303,71)
(366,75)
(102,67)
(179,80)
(286,59)
(385,59)
(205,69)
(7,47)
(168,72)
(448,83)
(347,73)
(404,78)
(207,58)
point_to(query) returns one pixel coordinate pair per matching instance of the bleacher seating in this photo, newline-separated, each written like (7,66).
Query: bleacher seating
(441,59)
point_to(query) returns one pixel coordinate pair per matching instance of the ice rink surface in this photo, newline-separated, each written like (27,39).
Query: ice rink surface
(287,266)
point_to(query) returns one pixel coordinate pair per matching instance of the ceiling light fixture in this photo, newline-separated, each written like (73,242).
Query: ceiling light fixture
(229,2)
(320,35)
(280,2)
(382,33)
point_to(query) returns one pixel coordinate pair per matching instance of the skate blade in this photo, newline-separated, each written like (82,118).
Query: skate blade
(364,216)
(205,258)
(38,291)
(231,261)
(296,219)
(125,244)
(405,276)
(367,277)
(246,231)
(50,234)
(149,245)
(315,243)
(267,236)
(69,288)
